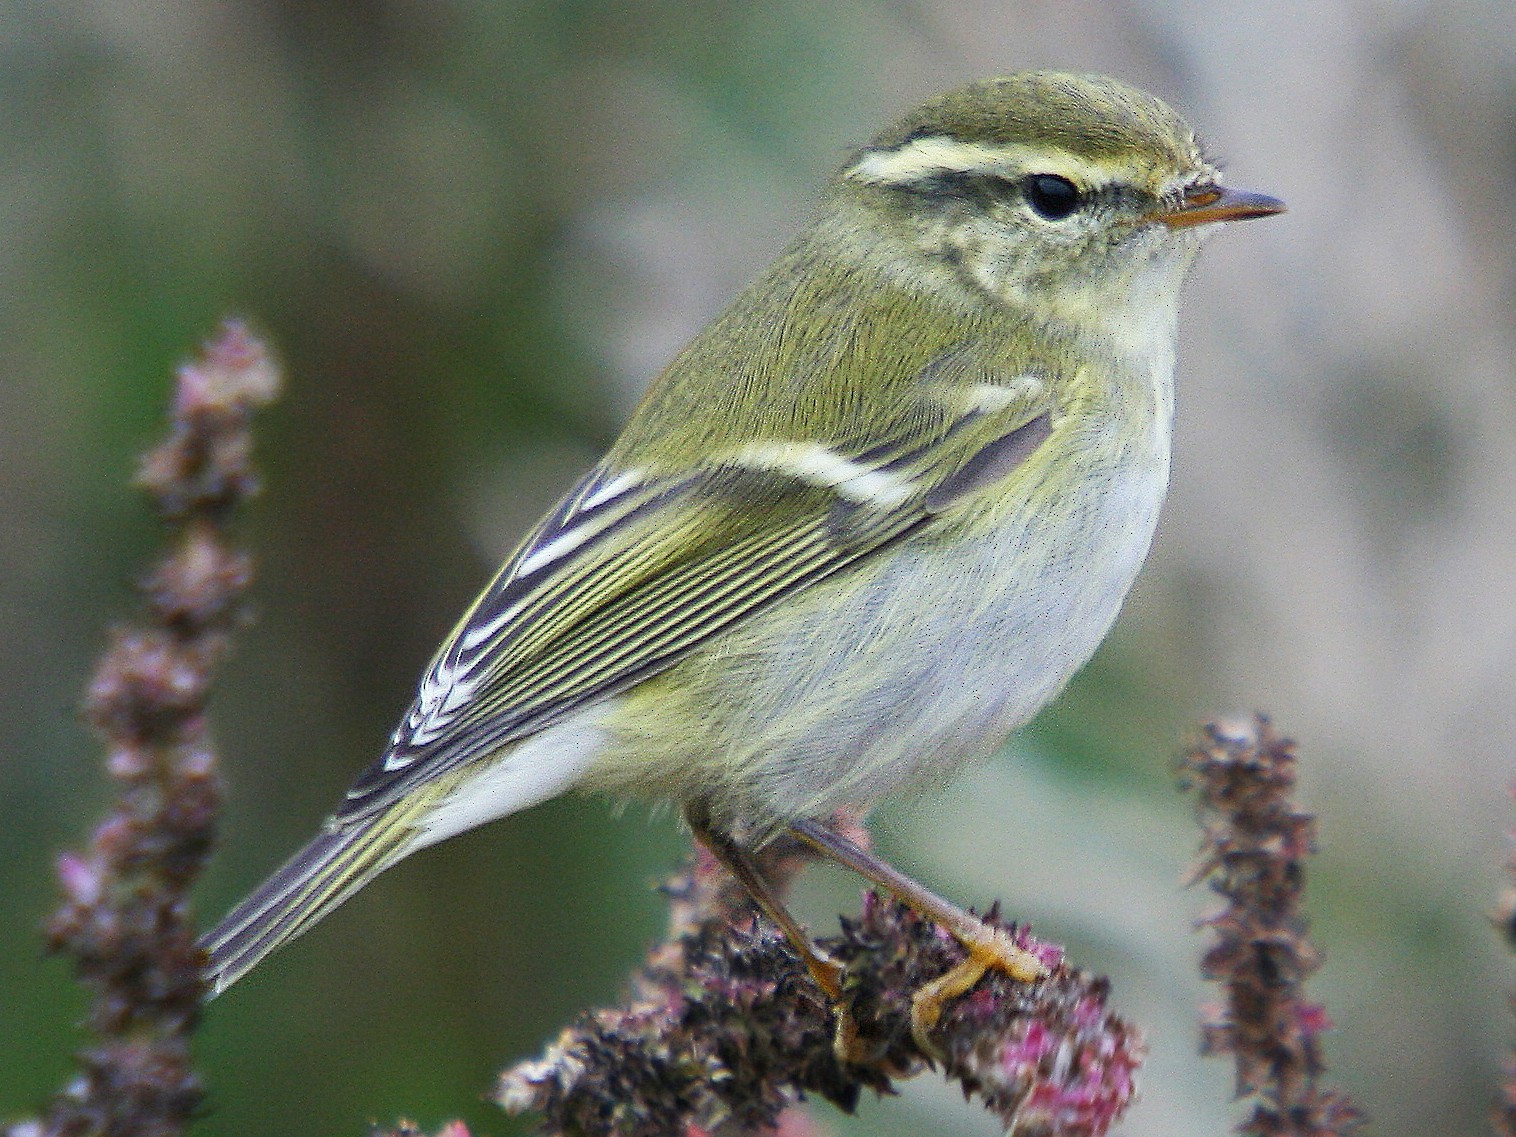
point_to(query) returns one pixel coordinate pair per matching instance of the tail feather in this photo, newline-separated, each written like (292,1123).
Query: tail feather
(308,886)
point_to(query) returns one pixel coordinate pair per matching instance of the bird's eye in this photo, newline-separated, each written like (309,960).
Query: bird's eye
(1051,197)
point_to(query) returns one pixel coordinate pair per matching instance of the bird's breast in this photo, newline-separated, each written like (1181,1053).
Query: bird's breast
(901,669)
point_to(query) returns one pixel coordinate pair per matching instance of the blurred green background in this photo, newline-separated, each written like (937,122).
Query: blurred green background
(473,230)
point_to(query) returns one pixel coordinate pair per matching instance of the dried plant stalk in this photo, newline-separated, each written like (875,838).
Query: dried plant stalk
(723,1030)
(1253,852)
(125,918)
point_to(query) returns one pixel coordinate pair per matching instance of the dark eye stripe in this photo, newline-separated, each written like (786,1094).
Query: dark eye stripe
(1050,196)
(961,185)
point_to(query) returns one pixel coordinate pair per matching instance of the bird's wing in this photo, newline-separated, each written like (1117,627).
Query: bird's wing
(630,572)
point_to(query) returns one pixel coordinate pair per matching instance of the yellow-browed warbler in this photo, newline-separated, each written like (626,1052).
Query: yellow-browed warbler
(869,521)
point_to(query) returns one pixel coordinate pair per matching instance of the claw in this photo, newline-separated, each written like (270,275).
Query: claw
(991,948)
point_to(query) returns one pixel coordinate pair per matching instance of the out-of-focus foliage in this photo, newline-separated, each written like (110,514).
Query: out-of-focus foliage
(475,228)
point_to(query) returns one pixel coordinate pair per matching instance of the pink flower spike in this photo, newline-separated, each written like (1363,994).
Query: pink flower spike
(129,763)
(1024,1055)
(1312,1019)
(1088,1013)
(80,878)
(1049,955)
(233,373)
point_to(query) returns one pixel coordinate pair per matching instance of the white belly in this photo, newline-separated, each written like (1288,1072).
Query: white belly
(935,659)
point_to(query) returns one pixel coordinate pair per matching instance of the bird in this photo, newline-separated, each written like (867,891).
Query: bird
(865,525)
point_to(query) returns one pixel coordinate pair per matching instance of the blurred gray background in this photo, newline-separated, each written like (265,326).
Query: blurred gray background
(473,230)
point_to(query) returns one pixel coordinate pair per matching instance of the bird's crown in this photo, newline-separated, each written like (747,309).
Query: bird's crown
(1093,129)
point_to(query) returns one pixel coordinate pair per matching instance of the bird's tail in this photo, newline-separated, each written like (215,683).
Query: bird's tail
(309,885)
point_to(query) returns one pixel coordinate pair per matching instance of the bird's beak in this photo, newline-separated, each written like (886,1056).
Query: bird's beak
(1202,205)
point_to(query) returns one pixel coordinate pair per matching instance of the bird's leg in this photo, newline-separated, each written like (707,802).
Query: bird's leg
(987,946)
(826,973)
